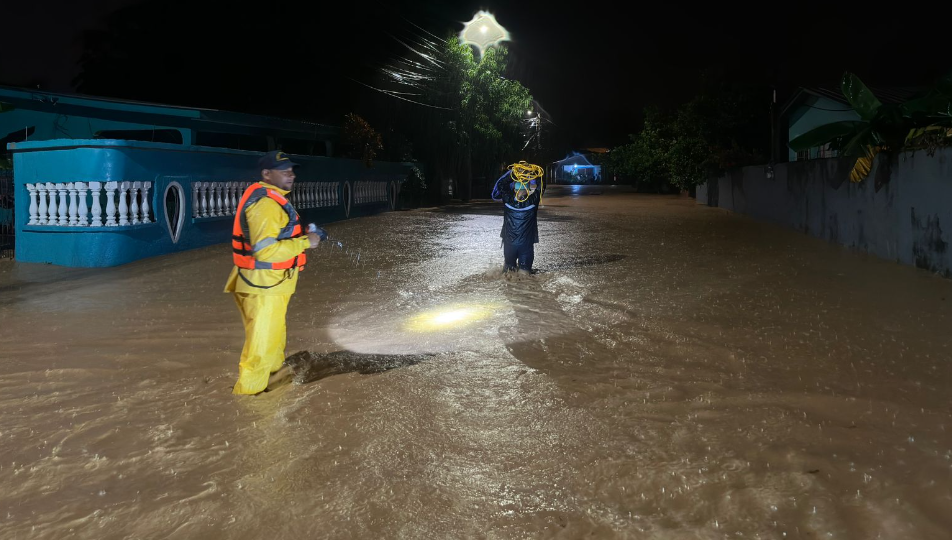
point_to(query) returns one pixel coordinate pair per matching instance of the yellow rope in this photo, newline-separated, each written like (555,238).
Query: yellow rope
(522,173)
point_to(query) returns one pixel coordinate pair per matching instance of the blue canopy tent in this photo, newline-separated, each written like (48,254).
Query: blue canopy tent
(575,169)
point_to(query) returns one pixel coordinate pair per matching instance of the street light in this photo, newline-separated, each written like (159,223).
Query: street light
(483,32)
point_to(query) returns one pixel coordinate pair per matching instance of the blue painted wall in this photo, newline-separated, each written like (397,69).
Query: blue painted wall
(108,160)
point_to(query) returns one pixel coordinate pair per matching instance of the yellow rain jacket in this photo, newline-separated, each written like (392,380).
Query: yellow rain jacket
(263,311)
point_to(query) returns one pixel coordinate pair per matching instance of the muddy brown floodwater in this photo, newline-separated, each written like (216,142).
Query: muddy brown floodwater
(672,371)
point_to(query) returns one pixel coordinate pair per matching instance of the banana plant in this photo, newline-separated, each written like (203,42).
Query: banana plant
(881,127)
(932,117)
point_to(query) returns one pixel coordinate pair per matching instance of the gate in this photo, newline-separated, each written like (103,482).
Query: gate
(6,214)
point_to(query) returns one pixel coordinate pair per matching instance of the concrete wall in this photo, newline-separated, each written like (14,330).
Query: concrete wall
(897,213)
(71,160)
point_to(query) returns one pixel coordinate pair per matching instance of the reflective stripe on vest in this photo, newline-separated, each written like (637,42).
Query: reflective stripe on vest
(243,251)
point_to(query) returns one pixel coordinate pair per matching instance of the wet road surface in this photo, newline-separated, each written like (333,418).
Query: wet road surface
(671,371)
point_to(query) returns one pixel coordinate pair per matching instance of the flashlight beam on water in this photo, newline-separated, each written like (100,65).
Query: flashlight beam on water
(448,318)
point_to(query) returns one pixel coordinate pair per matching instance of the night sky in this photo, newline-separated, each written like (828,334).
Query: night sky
(592,66)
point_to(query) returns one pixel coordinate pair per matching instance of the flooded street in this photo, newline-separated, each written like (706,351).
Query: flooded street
(671,371)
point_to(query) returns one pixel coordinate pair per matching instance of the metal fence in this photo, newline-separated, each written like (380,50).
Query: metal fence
(7,236)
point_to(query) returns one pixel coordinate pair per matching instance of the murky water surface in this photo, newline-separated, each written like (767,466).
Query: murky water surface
(672,371)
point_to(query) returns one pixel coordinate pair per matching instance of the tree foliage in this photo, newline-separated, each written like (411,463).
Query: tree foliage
(722,127)
(360,140)
(477,112)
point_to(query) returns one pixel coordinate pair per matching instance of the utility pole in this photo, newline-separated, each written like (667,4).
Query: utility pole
(773,134)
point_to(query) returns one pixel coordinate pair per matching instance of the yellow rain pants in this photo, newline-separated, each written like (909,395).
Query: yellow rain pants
(263,310)
(265,337)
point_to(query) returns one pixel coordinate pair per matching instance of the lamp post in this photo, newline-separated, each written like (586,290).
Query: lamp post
(483,32)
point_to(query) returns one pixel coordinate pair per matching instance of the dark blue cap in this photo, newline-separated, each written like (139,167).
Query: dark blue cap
(275,159)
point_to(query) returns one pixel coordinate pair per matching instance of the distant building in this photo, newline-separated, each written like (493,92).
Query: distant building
(811,107)
(576,168)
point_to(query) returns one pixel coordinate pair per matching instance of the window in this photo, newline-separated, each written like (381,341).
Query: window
(827,152)
(803,155)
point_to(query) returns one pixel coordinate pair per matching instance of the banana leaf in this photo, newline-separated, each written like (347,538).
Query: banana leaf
(891,126)
(861,142)
(861,98)
(824,134)
(936,133)
(944,85)
(934,106)
(934,103)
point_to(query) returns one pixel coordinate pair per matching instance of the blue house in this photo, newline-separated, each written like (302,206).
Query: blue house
(102,182)
(811,107)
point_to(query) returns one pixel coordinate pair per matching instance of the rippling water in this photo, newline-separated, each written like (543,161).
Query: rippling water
(671,371)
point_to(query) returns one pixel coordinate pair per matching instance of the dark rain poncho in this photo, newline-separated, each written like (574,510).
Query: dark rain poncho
(519,224)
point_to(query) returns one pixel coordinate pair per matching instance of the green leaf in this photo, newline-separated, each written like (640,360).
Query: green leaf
(825,134)
(944,85)
(859,144)
(932,104)
(863,101)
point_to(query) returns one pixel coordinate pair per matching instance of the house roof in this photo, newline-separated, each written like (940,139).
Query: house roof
(886,95)
(576,159)
(143,112)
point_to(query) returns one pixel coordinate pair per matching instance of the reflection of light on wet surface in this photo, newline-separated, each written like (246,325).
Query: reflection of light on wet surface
(443,318)
(671,371)
(446,326)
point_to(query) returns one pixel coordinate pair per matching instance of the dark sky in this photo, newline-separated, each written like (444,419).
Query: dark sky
(593,65)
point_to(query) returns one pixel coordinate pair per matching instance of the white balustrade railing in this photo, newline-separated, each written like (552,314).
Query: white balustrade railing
(369,192)
(79,204)
(111,188)
(95,188)
(63,210)
(124,203)
(217,199)
(134,199)
(81,218)
(145,203)
(127,203)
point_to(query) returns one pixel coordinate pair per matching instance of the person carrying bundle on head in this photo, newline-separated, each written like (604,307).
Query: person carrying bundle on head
(520,189)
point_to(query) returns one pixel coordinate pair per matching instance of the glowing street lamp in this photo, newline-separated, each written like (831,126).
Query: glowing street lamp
(483,32)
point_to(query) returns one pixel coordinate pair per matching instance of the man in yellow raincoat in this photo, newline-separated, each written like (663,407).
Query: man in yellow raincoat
(268,245)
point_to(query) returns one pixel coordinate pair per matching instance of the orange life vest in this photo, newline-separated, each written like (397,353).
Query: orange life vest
(243,251)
